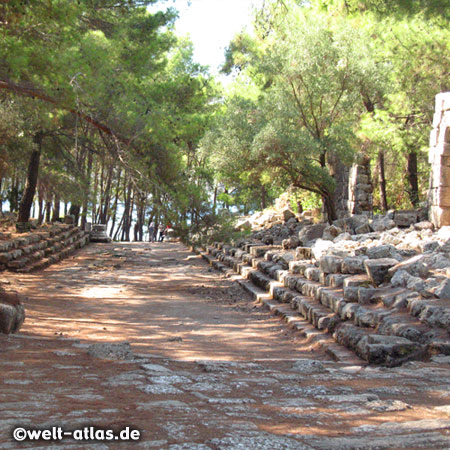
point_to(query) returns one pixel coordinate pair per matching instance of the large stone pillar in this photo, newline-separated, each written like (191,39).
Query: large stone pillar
(439,157)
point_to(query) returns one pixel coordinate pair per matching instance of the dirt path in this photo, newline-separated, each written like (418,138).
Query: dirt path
(211,370)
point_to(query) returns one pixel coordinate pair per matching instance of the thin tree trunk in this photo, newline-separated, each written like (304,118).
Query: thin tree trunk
(383,197)
(118,228)
(32,177)
(86,191)
(107,196)
(413,179)
(116,201)
(94,197)
(41,206)
(130,219)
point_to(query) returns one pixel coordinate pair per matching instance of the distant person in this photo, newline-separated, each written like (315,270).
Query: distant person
(151,231)
(161,229)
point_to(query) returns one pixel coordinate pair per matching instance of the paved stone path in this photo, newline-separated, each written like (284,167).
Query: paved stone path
(208,370)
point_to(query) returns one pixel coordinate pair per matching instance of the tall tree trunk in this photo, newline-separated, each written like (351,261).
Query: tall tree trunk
(31,182)
(1,195)
(215,199)
(330,207)
(48,210)
(383,197)
(126,214)
(94,197)
(56,208)
(263,197)
(413,179)
(75,211)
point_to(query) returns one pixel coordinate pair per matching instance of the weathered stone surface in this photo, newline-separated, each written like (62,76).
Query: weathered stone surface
(111,351)
(377,269)
(308,366)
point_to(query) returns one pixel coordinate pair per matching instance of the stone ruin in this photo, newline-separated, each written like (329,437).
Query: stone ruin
(439,158)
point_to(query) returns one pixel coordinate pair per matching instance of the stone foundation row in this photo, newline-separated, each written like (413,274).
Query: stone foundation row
(382,325)
(39,250)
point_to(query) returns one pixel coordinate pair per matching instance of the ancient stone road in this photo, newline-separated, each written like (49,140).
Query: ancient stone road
(209,369)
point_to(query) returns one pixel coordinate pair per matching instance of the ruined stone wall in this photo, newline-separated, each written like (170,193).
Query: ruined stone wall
(439,158)
(353,194)
(360,188)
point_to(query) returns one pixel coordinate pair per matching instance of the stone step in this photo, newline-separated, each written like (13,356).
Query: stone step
(48,255)
(378,325)
(378,349)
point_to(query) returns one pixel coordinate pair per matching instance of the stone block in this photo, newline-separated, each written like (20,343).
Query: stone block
(311,233)
(288,214)
(390,350)
(440,216)
(351,294)
(443,291)
(5,246)
(378,269)
(303,253)
(7,318)
(349,335)
(404,219)
(330,264)
(353,265)
(312,274)
(12,312)
(320,248)
(331,232)
(416,266)
(382,251)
